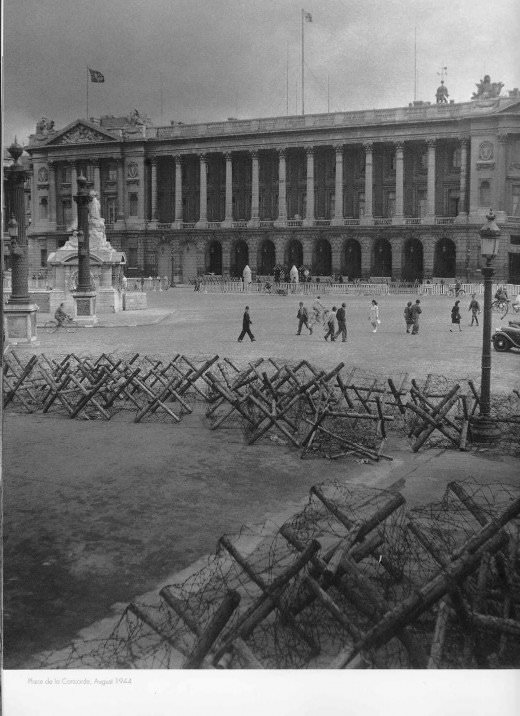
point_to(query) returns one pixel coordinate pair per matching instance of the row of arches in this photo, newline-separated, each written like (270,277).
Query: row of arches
(381,264)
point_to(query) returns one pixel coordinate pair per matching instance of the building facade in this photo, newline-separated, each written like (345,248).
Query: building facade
(397,193)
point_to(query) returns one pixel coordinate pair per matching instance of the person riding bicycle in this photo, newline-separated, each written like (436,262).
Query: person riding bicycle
(501,294)
(458,287)
(61,316)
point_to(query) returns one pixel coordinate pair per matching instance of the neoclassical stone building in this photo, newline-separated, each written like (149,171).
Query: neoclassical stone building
(397,192)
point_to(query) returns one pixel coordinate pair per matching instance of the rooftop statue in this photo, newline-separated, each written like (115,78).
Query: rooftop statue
(44,126)
(487,89)
(442,95)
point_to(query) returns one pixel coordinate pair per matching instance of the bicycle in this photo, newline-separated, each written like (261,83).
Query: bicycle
(454,293)
(500,306)
(69,326)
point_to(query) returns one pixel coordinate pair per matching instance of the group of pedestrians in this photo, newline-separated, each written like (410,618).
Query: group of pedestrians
(411,313)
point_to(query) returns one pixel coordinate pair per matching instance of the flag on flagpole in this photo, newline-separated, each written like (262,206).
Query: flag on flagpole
(307,16)
(96,76)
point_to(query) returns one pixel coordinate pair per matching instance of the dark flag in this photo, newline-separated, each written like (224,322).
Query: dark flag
(96,76)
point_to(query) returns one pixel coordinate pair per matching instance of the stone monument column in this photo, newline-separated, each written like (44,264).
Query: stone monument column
(228,216)
(85,295)
(202,223)
(309,209)
(178,192)
(337,219)
(369,212)
(255,190)
(282,189)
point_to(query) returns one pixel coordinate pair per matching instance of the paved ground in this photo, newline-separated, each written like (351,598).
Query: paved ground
(97,513)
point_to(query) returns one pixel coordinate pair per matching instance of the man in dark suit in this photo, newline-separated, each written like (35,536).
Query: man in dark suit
(246,322)
(341,318)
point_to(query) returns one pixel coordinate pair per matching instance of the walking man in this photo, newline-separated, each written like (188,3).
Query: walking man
(416,311)
(341,318)
(246,323)
(303,319)
(331,317)
(408,316)
(474,307)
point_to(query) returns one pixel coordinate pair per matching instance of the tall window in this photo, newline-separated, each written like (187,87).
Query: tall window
(132,257)
(43,258)
(66,205)
(44,208)
(453,202)
(66,174)
(515,203)
(361,204)
(132,204)
(485,193)
(456,158)
(112,172)
(110,209)
(421,202)
(390,203)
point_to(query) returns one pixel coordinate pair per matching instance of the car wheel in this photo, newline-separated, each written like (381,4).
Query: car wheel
(501,343)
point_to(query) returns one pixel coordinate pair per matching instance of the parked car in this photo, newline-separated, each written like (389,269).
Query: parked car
(506,338)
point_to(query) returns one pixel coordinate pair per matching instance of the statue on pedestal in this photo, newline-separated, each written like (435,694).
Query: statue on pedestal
(442,95)
(487,89)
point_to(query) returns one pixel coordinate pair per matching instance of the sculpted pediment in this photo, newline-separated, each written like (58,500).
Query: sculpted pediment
(82,133)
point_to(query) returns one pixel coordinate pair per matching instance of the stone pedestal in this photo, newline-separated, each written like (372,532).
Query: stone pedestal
(20,323)
(85,308)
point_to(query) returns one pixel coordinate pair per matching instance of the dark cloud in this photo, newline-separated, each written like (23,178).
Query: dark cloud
(221,58)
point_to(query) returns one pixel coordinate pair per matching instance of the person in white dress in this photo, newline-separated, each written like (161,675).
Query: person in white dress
(373,315)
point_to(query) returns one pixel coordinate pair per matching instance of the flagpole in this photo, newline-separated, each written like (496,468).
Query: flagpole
(303,76)
(87,95)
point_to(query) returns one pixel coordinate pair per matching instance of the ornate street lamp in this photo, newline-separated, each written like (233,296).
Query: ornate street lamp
(19,313)
(84,295)
(483,428)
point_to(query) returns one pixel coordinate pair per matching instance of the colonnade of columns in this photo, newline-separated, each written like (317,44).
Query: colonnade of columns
(338,217)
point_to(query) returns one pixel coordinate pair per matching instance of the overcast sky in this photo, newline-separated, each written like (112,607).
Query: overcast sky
(228,58)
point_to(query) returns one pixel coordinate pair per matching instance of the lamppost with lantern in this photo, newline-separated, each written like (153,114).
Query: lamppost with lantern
(84,295)
(483,428)
(19,313)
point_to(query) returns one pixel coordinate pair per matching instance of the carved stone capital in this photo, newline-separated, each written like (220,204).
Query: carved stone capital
(178,158)
(368,147)
(254,153)
(153,159)
(338,147)
(399,146)
(309,151)
(203,157)
(431,142)
(502,137)
(228,156)
(464,142)
(282,152)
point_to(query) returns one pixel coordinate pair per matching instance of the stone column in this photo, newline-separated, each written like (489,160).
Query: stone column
(430,199)
(252,247)
(228,217)
(178,192)
(337,219)
(309,212)
(226,257)
(399,183)
(500,173)
(428,243)
(397,257)
(255,190)
(73,185)
(368,218)
(120,190)
(336,247)
(366,256)
(140,190)
(463,203)
(52,196)
(202,223)
(153,177)
(97,177)
(282,189)
(308,251)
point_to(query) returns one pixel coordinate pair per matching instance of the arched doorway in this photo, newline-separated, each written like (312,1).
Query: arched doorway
(413,260)
(444,263)
(189,263)
(240,258)
(214,262)
(295,253)
(323,258)
(352,259)
(266,258)
(382,258)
